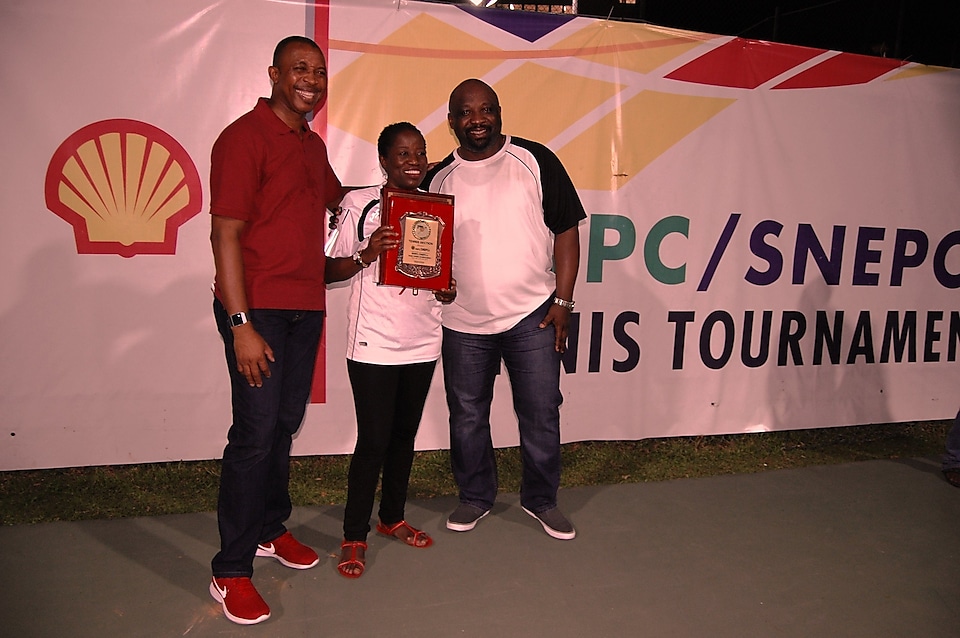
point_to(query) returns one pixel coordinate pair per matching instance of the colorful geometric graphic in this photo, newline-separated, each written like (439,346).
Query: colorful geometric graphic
(550,92)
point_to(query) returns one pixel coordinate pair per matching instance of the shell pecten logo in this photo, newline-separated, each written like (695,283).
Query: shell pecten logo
(125,186)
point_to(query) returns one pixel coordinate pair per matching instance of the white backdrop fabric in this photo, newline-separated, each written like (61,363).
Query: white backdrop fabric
(772,242)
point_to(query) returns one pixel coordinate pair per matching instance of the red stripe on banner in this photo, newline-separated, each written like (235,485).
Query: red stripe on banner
(743,64)
(321,35)
(843,69)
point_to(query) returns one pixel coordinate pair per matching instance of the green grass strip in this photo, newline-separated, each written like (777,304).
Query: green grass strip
(152,489)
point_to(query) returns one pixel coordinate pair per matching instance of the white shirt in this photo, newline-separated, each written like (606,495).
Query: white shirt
(386,325)
(502,245)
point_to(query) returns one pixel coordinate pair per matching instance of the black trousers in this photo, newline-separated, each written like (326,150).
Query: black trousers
(389,402)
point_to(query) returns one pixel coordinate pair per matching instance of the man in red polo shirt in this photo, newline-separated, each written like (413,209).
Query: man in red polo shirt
(270,184)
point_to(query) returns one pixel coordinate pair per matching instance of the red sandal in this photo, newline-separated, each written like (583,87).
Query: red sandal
(353,561)
(415,538)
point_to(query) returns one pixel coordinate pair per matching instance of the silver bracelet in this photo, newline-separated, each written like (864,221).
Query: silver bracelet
(358,260)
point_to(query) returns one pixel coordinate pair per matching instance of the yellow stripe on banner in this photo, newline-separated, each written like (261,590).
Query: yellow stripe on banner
(540,103)
(646,127)
(916,70)
(397,68)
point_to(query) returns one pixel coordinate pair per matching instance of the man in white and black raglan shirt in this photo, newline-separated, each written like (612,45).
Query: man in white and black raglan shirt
(515,258)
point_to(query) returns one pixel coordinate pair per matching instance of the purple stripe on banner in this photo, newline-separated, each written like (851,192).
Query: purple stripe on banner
(527,25)
(718,251)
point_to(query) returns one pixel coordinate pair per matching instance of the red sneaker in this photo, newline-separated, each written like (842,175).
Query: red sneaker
(241,602)
(289,551)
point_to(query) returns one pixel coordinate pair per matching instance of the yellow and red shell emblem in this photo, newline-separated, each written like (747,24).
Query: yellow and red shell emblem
(125,186)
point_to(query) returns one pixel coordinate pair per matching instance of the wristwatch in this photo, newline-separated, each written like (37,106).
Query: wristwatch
(238,319)
(358,260)
(563,303)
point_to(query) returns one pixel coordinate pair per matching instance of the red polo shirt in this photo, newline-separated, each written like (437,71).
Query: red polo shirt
(263,173)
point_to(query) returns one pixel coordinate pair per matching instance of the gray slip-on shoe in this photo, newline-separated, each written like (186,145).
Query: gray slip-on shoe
(554,523)
(465,517)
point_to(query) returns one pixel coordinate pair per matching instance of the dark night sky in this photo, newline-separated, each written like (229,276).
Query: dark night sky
(925,31)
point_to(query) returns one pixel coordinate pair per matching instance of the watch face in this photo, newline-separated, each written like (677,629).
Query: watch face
(238,319)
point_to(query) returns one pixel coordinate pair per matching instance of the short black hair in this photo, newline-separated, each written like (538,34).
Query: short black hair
(389,135)
(287,41)
(471,82)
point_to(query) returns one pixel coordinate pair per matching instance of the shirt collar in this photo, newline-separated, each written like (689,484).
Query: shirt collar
(273,121)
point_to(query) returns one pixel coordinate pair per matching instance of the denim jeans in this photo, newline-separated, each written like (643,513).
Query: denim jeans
(470,365)
(389,402)
(254,500)
(951,460)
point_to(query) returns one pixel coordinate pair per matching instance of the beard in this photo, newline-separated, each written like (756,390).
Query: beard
(479,144)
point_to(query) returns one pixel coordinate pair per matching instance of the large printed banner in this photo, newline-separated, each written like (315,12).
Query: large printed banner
(772,242)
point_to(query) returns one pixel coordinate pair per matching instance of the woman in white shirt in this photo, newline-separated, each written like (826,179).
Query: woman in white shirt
(393,343)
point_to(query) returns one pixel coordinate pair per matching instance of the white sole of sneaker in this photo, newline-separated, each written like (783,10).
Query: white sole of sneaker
(465,527)
(240,621)
(564,536)
(263,552)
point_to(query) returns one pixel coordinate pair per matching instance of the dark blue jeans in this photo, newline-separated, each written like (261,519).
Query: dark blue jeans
(470,366)
(254,500)
(951,460)
(389,401)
